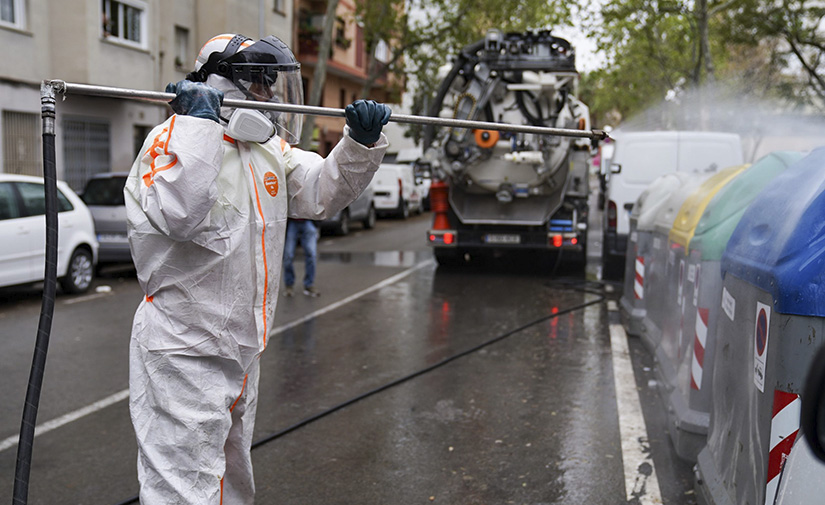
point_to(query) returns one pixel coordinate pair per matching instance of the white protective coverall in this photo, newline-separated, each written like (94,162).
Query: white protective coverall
(207,217)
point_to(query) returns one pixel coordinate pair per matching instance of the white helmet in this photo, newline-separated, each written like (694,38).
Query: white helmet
(264,71)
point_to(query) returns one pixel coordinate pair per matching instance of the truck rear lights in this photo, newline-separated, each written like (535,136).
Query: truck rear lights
(442,237)
(559,240)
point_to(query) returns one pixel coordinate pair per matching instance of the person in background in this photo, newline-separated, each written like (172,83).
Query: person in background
(301,231)
(207,205)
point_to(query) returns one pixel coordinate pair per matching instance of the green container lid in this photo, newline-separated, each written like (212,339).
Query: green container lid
(724,211)
(691,211)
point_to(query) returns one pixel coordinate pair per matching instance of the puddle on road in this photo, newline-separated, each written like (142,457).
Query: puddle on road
(377,258)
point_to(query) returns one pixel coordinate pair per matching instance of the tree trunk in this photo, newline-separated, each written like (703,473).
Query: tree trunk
(319,77)
(705,59)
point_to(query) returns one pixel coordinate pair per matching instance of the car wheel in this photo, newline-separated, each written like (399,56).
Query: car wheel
(369,221)
(80,273)
(403,209)
(343,224)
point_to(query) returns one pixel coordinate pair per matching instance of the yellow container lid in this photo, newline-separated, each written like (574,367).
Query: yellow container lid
(694,206)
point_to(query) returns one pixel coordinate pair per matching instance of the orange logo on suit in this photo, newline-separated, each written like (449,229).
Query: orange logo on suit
(271,183)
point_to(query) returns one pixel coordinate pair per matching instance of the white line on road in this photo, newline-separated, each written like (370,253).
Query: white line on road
(124,394)
(639,474)
(386,282)
(66,419)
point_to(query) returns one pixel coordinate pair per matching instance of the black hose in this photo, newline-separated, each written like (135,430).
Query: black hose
(309,420)
(44,327)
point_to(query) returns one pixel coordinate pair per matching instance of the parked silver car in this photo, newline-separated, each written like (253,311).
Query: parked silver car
(103,196)
(362,209)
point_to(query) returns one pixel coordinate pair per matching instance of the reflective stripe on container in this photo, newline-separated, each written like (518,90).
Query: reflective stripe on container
(700,337)
(639,283)
(784,429)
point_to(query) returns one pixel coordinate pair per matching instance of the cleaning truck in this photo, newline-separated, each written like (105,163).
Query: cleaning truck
(496,190)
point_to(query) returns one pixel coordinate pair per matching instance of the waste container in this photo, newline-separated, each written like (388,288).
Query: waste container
(679,282)
(773,293)
(640,247)
(688,403)
(660,266)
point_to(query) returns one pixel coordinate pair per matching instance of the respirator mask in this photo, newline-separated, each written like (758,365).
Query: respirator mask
(250,125)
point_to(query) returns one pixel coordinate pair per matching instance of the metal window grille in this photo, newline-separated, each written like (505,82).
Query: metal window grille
(21,143)
(86,150)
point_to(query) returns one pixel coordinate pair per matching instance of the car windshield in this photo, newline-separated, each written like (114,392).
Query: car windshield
(107,191)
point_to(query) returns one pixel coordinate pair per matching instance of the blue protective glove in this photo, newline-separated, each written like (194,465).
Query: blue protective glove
(365,119)
(196,99)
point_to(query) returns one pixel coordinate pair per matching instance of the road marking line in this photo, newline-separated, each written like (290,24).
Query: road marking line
(124,394)
(66,419)
(641,484)
(386,282)
(86,298)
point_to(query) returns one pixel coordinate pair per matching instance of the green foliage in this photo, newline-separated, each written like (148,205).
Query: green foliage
(655,50)
(421,45)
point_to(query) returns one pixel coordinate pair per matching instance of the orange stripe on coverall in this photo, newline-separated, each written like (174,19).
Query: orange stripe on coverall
(263,248)
(149,178)
(243,387)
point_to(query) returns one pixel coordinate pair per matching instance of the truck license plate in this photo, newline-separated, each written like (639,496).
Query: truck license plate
(494,238)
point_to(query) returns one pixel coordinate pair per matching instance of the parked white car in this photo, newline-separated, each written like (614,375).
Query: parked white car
(638,158)
(395,190)
(23,235)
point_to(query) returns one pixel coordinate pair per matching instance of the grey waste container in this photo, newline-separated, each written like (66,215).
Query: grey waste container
(688,403)
(640,247)
(672,307)
(660,267)
(773,293)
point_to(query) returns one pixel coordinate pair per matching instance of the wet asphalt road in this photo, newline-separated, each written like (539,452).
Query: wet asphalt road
(487,385)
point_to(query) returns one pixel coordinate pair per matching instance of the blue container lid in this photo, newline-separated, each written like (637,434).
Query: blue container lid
(779,244)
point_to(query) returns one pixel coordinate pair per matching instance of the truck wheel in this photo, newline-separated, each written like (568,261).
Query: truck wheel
(369,221)
(80,273)
(343,224)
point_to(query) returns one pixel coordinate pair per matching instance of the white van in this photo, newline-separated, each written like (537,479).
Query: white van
(641,157)
(394,190)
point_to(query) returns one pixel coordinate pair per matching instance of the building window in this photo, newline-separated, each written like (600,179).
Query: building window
(139,134)
(86,150)
(21,143)
(13,13)
(341,39)
(280,7)
(123,21)
(182,55)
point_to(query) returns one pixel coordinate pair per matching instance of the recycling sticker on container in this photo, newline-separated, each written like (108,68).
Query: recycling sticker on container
(761,333)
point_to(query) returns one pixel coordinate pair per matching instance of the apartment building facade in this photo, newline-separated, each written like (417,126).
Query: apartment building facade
(346,68)
(139,44)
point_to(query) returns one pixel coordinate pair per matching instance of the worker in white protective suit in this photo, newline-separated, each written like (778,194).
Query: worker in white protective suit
(207,206)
